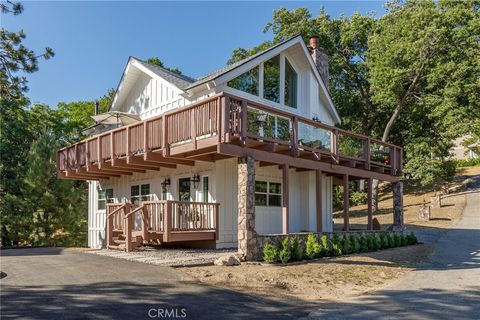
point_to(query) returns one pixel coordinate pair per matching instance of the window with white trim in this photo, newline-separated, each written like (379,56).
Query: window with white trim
(139,193)
(104,196)
(268,194)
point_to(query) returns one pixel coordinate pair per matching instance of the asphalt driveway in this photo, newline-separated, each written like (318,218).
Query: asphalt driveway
(446,286)
(50,283)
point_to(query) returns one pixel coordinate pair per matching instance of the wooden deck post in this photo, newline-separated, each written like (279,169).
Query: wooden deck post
(128,235)
(109,228)
(318,192)
(145,223)
(369,204)
(244,129)
(285,199)
(167,221)
(346,204)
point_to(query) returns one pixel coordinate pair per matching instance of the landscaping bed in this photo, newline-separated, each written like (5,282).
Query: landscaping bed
(323,278)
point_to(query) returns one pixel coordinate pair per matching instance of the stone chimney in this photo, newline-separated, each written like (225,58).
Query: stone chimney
(320,58)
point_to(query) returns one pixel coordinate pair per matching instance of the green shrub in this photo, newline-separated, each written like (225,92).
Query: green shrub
(391,240)
(376,243)
(358,198)
(270,253)
(354,245)
(411,239)
(285,253)
(336,246)
(384,241)
(363,244)
(324,246)
(346,245)
(403,240)
(297,253)
(397,240)
(312,248)
(468,163)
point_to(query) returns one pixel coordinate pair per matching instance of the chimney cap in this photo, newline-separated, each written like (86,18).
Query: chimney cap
(313,42)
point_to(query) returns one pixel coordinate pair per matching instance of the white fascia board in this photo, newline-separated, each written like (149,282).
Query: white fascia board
(256,61)
(150,73)
(120,86)
(330,104)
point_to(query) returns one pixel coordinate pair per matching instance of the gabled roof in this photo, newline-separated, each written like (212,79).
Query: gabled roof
(179,80)
(186,83)
(213,75)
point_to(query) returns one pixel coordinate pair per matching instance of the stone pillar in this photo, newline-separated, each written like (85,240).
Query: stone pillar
(247,237)
(397,188)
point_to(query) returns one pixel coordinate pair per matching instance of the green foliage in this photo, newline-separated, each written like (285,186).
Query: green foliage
(336,245)
(324,246)
(391,240)
(468,163)
(397,240)
(297,252)
(411,239)
(354,244)
(285,253)
(409,77)
(356,197)
(364,244)
(376,243)
(270,253)
(345,245)
(157,62)
(16,60)
(312,247)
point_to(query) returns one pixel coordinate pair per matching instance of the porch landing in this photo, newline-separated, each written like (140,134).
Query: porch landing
(168,256)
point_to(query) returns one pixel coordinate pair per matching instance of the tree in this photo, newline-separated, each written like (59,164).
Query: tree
(424,64)
(78,115)
(345,41)
(16,58)
(57,208)
(157,62)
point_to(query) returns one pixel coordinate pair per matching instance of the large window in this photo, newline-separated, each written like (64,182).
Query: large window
(290,85)
(268,194)
(139,193)
(247,82)
(104,196)
(271,79)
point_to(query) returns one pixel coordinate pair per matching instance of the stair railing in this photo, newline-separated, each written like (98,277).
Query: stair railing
(110,216)
(129,226)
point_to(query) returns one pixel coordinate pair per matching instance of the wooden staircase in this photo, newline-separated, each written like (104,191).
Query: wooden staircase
(156,222)
(120,242)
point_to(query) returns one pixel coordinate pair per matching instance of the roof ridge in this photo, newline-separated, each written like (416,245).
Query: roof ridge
(174,74)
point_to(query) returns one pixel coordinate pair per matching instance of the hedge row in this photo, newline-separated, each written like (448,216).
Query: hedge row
(289,248)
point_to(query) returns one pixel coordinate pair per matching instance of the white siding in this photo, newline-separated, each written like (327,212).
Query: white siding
(152,96)
(96,218)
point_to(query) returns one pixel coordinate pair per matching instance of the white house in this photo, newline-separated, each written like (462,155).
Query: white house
(270,114)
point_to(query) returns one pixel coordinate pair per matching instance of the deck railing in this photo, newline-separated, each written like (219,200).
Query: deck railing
(224,118)
(161,218)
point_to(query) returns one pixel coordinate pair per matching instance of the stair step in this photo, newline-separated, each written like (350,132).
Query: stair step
(119,241)
(119,247)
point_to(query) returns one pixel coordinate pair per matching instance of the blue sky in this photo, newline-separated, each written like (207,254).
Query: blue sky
(93,40)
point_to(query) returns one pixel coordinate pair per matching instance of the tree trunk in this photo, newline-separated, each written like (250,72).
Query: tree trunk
(386,132)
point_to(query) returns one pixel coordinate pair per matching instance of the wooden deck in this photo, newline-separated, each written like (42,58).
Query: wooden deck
(224,126)
(160,222)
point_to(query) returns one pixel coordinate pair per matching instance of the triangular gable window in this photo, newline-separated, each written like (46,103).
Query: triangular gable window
(246,82)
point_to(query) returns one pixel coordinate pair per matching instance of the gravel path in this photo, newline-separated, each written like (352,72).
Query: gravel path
(167,256)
